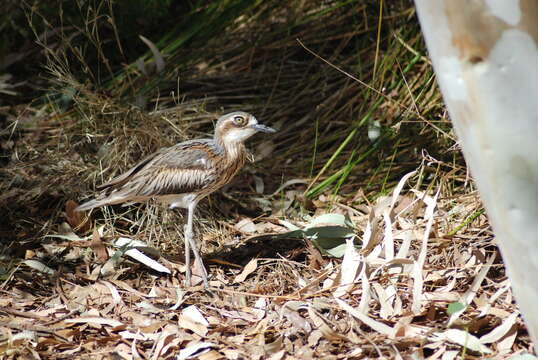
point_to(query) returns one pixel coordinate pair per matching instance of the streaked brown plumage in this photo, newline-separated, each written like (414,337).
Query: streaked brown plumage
(185,173)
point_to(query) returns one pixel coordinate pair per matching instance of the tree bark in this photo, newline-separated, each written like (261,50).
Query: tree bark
(485,57)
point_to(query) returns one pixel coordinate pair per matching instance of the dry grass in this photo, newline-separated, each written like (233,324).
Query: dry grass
(425,246)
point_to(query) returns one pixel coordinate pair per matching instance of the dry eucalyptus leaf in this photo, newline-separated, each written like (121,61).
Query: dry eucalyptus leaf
(247,270)
(78,220)
(98,247)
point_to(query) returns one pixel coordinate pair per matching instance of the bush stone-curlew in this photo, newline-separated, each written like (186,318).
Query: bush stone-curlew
(185,173)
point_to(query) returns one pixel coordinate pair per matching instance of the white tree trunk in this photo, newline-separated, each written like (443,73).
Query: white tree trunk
(486,59)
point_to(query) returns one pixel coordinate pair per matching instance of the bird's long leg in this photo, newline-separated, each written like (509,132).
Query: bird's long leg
(186,234)
(189,237)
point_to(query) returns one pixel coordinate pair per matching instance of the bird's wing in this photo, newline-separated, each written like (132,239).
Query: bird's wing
(183,168)
(177,172)
(121,179)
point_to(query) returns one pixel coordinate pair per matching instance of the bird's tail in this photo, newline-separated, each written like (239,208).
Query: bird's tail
(92,204)
(112,199)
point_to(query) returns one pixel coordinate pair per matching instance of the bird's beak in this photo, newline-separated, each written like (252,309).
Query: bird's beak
(262,128)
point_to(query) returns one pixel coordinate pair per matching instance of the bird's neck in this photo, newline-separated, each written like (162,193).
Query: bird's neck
(233,150)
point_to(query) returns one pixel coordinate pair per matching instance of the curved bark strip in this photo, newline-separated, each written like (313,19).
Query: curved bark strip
(485,57)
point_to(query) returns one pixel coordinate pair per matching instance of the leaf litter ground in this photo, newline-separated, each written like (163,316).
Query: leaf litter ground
(405,284)
(401,264)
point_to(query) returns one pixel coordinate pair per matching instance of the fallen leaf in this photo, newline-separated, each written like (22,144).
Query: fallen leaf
(77,219)
(39,266)
(500,331)
(195,349)
(129,248)
(246,226)
(462,338)
(349,269)
(247,270)
(374,324)
(95,320)
(98,247)
(192,319)
(159,59)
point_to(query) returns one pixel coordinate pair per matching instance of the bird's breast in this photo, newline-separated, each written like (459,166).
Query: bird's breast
(228,165)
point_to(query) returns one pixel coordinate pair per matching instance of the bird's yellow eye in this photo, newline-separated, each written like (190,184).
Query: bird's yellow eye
(240,120)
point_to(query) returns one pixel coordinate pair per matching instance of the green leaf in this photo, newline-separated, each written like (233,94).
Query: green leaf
(336,219)
(330,232)
(289,225)
(455,307)
(327,232)
(337,251)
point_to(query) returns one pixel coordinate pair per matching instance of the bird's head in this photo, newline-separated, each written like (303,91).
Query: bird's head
(238,126)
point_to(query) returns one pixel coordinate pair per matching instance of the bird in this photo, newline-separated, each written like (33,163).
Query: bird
(184,174)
